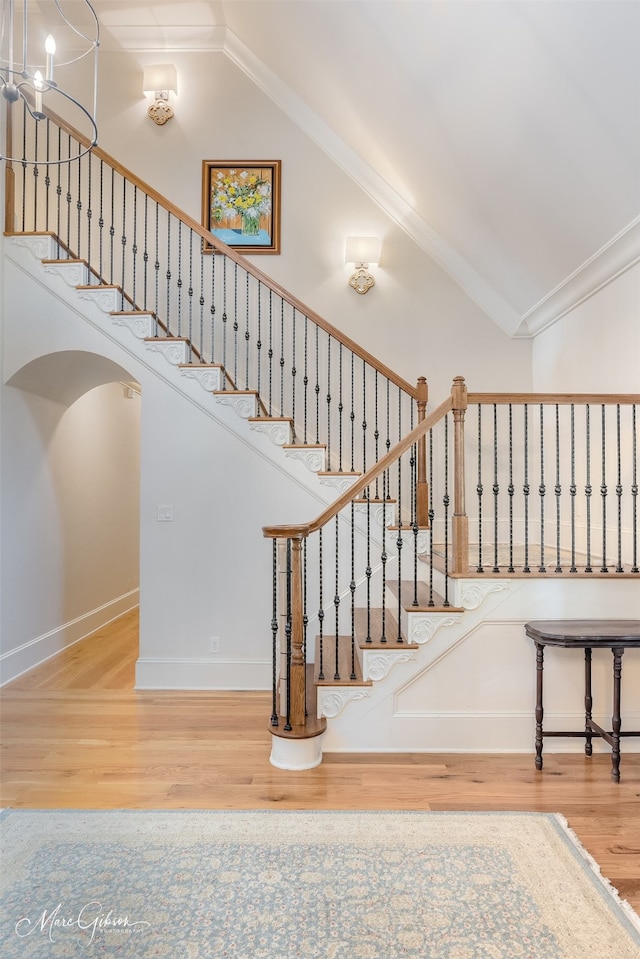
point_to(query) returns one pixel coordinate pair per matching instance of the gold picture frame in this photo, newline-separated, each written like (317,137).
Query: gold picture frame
(241,204)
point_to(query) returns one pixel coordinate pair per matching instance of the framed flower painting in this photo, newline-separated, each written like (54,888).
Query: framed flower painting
(241,204)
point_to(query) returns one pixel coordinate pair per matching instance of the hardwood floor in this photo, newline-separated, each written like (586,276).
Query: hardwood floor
(75,734)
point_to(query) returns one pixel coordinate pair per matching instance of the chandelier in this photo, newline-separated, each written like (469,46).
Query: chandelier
(33,71)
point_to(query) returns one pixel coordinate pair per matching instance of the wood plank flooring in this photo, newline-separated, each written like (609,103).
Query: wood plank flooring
(75,734)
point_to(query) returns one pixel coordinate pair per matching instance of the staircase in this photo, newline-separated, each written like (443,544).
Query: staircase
(396,575)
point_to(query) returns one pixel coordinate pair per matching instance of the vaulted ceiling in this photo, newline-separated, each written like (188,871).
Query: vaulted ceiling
(503,136)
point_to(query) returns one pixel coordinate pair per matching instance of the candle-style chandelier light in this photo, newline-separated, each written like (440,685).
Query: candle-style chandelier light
(34,62)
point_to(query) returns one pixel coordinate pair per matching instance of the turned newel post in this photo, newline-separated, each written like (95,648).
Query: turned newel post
(422,487)
(297,685)
(460,519)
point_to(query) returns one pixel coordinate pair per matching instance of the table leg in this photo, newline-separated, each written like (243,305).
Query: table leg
(616,721)
(588,702)
(539,709)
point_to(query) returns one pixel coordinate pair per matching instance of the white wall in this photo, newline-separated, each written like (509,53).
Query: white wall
(596,346)
(70,519)
(207,573)
(416,319)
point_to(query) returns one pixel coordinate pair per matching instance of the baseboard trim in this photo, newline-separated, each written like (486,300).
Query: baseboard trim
(15,662)
(215,673)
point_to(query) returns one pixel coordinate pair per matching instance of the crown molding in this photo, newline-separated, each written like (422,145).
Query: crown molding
(609,262)
(378,190)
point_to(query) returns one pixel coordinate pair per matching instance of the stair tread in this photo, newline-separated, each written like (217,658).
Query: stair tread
(344,662)
(166,339)
(390,631)
(202,366)
(338,473)
(423,596)
(268,419)
(304,446)
(375,501)
(236,393)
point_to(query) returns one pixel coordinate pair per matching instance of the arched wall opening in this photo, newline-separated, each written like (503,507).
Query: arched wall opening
(70,503)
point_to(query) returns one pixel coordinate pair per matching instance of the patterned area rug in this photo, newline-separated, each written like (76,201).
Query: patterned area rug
(304,885)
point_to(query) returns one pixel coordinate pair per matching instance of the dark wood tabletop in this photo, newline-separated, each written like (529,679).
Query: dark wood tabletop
(585,632)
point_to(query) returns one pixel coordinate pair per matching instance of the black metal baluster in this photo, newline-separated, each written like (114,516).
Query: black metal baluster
(340,409)
(352,587)
(145,254)
(282,362)
(259,348)
(79,204)
(619,567)
(603,492)
(388,440)
(156,267)
(287,631)
(496,489)
(432,514)
(69,197)
(329,402)
(123,241)
(479,490)
(270,350)
(320,611)
(47,180)
(134,246)
(112,227)
(542,490)
(364,416)
(414,515)
(573,490)
(588,488)
(235,324)
(294,369)
(634,490)
(317,386)
(35,172)
(376,434)
(212,308)
(558,491)
(368,570)
(336,603)
(305,380)
(247,338)
(58,196)
(511,490)
(274,634)
(224,314)
(190,302)
(201,301)
(352,415)
(168,277)
(526,489)
(446,501)
(383,556)
(24,168)
(100,221)
(89,202)
(399,542)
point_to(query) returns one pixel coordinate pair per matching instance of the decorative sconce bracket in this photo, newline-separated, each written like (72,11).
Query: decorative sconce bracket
(361,280)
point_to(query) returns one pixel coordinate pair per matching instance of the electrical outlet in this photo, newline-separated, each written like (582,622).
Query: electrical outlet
(164,514)
(214,644)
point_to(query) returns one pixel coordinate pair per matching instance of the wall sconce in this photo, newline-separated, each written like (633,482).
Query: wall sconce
(160,79)
(362,250)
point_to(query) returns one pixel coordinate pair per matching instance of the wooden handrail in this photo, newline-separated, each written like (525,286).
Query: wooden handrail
(559,398)
(303,529)
(237,257)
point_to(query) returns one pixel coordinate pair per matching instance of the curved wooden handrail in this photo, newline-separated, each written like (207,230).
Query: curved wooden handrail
(238,258)
(293,531)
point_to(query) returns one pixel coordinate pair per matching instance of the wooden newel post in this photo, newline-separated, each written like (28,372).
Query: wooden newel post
(422,487)
(460,518)
(297,683)
(9,180)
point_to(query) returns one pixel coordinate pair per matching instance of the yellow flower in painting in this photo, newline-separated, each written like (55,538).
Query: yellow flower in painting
(239,193)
